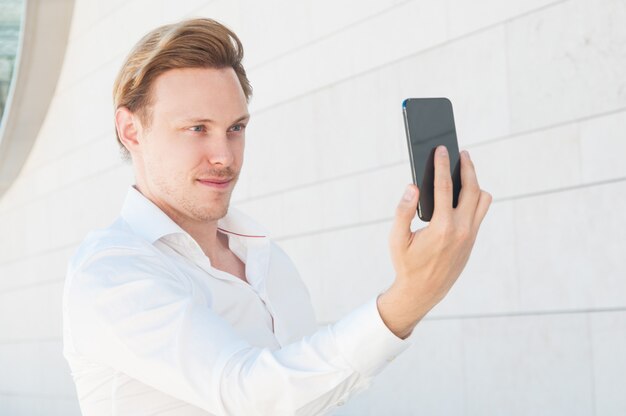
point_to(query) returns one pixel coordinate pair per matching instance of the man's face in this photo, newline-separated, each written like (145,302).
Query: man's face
(197,133)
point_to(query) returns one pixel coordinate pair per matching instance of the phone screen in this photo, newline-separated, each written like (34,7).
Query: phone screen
(429,122)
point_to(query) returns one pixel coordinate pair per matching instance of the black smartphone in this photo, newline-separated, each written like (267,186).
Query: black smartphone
(429,122)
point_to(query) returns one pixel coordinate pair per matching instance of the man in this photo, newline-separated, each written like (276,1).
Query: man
(184,306)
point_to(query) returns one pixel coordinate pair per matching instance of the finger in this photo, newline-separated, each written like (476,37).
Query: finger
(470,190)
(484,202)
(443,184)
(405,212)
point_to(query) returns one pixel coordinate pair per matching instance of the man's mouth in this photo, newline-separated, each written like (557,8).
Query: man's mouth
(218,183)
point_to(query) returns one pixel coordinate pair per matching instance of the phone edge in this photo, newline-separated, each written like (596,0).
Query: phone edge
(408,140)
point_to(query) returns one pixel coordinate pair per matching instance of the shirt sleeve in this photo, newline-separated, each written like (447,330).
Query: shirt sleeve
(129,311)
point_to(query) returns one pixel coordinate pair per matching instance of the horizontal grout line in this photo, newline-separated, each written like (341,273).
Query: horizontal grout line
(30,340)
(35,396)
(495,201)
(377,221)
(325,180)
(406,57)
(69,152)
(83,77)
(67,185)
(515,314)
(30,256)
(560,190)
(332,229)
(101,19)
(547,127)
(103,136)
(527,313)
(31,285)
(468,146)
(325,36)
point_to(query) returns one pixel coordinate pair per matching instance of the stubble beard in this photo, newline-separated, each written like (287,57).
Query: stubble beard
(190,206)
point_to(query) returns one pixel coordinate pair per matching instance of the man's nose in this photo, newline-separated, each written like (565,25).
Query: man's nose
(219,149)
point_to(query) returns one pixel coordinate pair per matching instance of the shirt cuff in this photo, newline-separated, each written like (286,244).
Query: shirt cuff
(365,341)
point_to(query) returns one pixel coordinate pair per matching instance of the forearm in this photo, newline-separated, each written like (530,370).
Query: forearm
(315,373)
(400,310)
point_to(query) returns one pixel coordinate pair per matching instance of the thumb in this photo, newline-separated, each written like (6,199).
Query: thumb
(405,212)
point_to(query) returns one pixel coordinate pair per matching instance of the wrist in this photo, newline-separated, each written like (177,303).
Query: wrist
(400,310)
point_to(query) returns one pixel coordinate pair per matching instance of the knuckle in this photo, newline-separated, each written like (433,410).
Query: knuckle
(487,196)
(400,211)
(468,163)
(445,184)
(473,187)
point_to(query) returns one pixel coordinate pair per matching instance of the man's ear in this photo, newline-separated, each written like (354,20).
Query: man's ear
(128,126)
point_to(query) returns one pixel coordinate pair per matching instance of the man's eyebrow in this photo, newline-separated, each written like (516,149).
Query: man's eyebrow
(208,120)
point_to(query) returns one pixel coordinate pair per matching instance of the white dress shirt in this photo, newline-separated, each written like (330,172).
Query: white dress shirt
(151,328)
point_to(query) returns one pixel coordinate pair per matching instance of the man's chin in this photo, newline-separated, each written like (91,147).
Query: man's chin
(213,212)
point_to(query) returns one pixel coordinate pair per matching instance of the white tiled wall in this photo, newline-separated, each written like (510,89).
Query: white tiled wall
(534,325)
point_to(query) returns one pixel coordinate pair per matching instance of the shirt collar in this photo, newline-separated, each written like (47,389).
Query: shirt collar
(150,222)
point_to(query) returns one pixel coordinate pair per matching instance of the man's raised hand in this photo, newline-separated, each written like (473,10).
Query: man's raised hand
(428,261)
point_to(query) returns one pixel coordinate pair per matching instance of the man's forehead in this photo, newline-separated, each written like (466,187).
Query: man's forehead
(200,94)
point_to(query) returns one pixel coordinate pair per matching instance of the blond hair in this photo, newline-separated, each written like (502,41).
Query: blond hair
(192,43)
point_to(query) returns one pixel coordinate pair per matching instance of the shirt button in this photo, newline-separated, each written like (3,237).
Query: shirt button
(390,359)
(341,403)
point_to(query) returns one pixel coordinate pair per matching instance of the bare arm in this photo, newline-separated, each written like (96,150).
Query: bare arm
(428,261)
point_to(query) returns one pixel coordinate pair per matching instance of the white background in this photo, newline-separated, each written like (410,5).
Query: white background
(535,325)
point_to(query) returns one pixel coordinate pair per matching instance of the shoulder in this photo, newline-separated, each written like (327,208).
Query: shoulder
(115,256)
(116,240)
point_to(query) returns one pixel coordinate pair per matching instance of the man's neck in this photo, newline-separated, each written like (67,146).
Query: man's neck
(214,244)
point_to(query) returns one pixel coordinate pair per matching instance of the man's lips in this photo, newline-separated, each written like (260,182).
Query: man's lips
(215,183)
(216,180)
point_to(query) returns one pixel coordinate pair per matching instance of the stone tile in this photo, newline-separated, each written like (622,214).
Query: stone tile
(472,73)
(338,202)
(350,141)
(426,379)
(35,368)
(570,248)
(381,191)
(38,405)
(269,212)
(528,365)
(465,17)
(302,210)
(420,21)
(315,136)
(175,11)
(93,158)
(34,313)
(227,12)
(536,162)
(306,22)
(58,219)
(35,269)
(280,153)
(609,363)
(602,148)
(352,269)
(565,63)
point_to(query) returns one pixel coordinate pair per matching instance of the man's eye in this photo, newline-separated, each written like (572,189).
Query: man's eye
(240,127)
(197,129)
